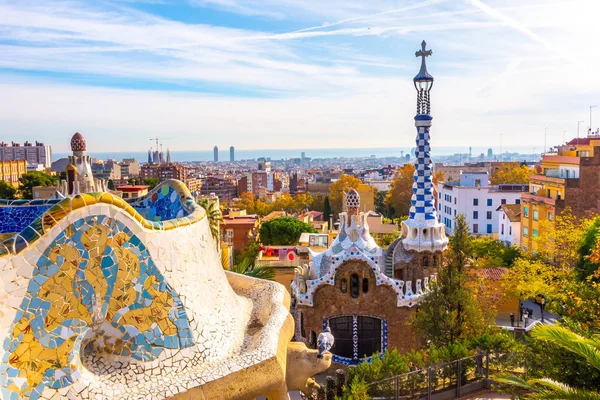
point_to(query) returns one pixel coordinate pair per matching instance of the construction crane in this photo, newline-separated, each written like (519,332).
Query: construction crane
(160,138)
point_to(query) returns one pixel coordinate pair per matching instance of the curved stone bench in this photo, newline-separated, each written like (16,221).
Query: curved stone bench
(104,299)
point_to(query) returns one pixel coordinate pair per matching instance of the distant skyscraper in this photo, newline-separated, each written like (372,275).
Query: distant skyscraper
(490,154)
(232,154)
(303,155)
(168,157)
(216,153)
(150,156)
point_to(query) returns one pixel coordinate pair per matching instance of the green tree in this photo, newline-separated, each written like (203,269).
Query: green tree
(400,193)
(336,192)
(35,178)
(326,209)
(152,182)
(111,184)
(492,252)
(586,265)
(449,312)
(587,348)
(284,230)
(250,251)
(7,191)
(213,214)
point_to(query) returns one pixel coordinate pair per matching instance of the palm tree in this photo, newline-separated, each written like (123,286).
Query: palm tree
(249,268)
(213,214)
(588,348)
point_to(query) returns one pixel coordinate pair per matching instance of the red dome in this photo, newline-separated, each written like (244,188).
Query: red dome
(78,142)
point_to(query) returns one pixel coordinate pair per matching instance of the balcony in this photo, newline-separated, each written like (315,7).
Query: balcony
(539,199)
(541,179)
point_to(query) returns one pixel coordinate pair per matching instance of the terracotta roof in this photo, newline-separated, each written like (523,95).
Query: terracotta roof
(512,211)
(493,273)
(243,220)
(273,215)
(581,141)
(132,188)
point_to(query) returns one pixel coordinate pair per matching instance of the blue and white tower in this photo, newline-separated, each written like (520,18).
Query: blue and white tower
(421,231)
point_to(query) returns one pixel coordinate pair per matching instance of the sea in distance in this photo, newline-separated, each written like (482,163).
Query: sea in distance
(283,154)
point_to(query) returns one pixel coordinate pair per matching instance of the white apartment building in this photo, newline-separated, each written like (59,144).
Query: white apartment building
(509,222)
(34,154)
(473,197)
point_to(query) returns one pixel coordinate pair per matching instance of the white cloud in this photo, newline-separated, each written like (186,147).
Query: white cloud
(500,67)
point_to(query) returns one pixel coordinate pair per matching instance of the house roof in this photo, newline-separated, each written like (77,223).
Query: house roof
(493,273)
(273,215)
(580,141)
(132,188)
(512,211)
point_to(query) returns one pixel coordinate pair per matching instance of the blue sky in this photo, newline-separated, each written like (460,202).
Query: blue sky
(295,73)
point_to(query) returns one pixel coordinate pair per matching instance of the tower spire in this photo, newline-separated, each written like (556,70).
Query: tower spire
(422,231)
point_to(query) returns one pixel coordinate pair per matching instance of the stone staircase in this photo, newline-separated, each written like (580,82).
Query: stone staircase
(389,258)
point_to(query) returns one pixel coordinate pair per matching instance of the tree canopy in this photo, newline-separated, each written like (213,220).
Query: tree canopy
(7,191)
(509,173)
(35,178)
(290,204)
(400,193)
(152,182)
(283,231)
(336,192)
(449,312)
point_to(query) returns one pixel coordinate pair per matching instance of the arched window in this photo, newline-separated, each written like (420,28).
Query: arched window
(312,340)
(434,260)
(354,285)
(344,285)
(425,261)
(365,285)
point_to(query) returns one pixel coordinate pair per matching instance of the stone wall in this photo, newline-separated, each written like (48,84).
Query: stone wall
(380,302)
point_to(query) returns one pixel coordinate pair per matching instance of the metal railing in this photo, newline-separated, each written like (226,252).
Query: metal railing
(451,380)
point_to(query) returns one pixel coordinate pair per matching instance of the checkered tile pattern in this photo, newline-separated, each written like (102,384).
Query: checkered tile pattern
(422,207)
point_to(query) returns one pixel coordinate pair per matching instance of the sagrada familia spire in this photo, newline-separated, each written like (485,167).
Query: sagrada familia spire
(422,232)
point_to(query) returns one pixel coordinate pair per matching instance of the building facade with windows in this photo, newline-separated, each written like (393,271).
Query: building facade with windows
(509,222)
(478,201)
(11,171)
(33,154)
(163,171)
(570,178)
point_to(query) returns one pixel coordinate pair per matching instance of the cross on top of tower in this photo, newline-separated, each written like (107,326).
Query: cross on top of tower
(423,53)
(423,75)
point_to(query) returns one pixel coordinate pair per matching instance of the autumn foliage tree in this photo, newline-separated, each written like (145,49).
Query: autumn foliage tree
(290,204)
(511,173)
(398,197)
(336,192)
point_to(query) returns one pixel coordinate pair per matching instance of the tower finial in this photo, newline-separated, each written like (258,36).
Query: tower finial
(423,81)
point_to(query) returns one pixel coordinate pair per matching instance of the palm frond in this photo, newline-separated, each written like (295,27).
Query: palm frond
(547,389)
(248,268)
(584,347)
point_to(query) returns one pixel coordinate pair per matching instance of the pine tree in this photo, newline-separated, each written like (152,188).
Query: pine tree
(449,312)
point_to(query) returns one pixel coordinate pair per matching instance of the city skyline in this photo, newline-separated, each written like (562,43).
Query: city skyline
(310,74)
